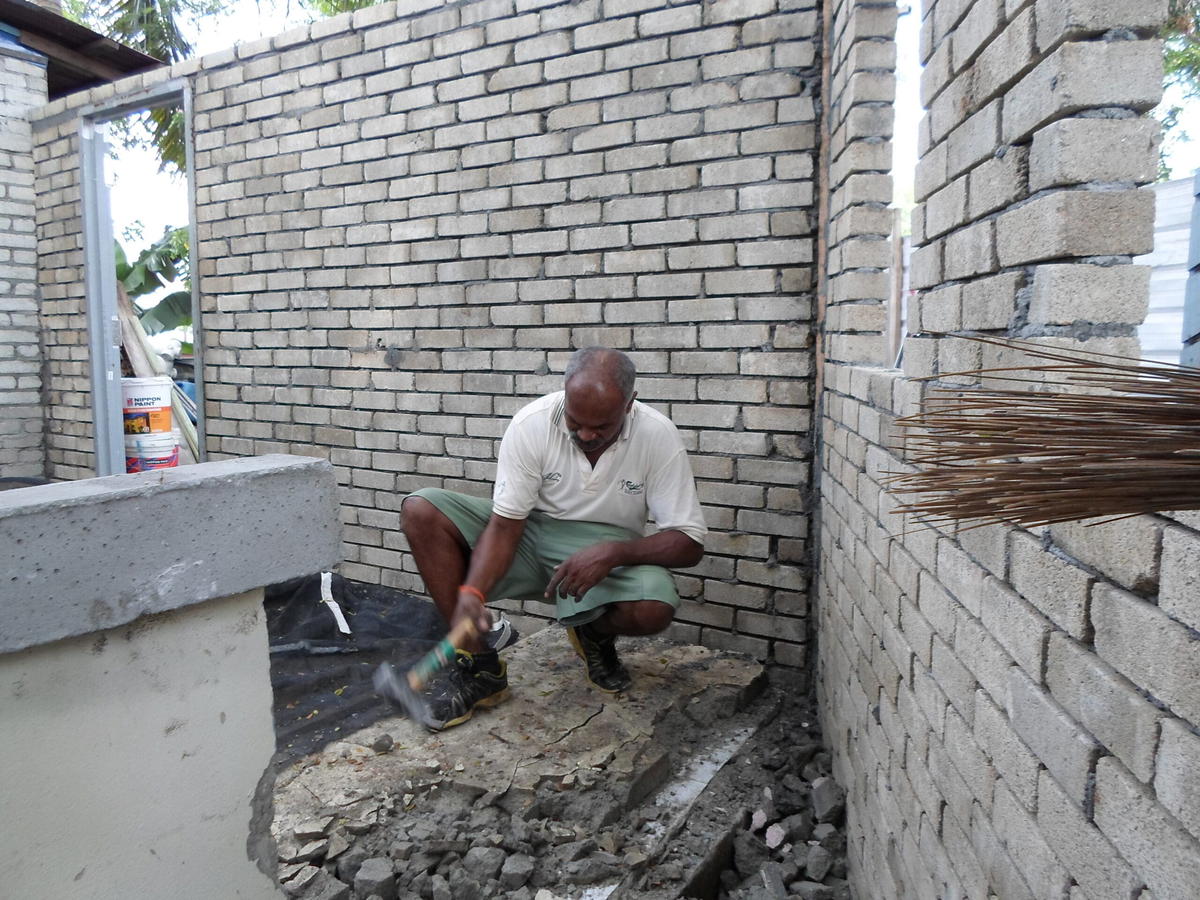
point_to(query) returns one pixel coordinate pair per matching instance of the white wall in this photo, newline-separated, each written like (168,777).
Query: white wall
(131,757)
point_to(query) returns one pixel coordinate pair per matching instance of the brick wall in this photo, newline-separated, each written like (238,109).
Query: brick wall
(63,303)
(862,59)
(22,88)
(407,222)
(1013,710)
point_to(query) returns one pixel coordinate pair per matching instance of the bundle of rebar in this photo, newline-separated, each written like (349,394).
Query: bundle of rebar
(1074,436)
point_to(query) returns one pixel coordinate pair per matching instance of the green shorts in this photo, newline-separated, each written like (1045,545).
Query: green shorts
(545,543)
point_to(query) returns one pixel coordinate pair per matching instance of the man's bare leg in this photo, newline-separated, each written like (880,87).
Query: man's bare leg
(635,618)
(440,552)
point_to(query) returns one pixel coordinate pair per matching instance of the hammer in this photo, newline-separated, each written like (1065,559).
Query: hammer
(405,690)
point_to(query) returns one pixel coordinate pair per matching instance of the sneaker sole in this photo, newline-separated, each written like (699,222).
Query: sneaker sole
(586,674)
(486,703)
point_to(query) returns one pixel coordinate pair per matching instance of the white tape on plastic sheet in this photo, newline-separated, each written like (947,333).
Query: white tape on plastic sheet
(327,596)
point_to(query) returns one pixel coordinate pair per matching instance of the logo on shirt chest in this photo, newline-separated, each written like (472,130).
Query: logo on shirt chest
(632,488)
(552,478)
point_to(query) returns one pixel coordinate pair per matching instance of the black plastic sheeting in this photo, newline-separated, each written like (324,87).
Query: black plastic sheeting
(322,677)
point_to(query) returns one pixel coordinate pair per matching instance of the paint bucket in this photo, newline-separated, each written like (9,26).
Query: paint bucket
(147,405)
(144,452)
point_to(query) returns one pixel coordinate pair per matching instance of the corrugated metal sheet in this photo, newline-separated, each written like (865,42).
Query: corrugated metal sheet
(1162,332)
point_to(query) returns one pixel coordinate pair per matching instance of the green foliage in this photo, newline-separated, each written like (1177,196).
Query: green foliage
(164,261)
(334,7)
(1181,68)
(153,27)
(1181,47)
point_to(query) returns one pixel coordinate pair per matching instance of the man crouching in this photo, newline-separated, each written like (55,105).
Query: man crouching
(580,474)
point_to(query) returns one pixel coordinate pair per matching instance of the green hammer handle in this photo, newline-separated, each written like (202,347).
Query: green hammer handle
(436,658)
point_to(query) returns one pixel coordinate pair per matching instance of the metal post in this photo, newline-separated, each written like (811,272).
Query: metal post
(104,329)
(193,267)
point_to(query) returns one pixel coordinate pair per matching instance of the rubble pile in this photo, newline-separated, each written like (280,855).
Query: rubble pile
(725,792)
(765,826)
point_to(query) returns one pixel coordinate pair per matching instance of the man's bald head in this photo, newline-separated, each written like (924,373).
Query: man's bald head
(599,394)
(602,368)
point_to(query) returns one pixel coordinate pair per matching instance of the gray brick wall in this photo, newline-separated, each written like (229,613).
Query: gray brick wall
(1013,711)
(22,444)
(69,452)
(407,221)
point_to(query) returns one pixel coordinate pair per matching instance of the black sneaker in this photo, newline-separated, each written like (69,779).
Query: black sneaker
(503,633)
(599,654)
(470,682)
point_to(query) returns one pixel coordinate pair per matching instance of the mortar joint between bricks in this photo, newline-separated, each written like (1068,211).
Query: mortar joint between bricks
(1078,331)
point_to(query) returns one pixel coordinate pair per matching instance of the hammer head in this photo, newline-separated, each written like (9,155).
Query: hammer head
(395,687)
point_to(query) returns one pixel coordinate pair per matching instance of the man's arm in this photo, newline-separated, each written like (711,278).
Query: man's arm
(586,568)
(490,558)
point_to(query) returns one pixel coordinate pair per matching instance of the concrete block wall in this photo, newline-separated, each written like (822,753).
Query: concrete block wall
(1012,710)
(862,87)
(408,219)
(69,439)
(22,89)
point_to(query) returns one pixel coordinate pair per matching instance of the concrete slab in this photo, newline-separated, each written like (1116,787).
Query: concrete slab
(83,556)
(555,728)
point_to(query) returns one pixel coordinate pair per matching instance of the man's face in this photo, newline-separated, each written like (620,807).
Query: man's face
(595,417)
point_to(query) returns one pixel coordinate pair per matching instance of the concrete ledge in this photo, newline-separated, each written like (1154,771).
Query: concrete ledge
(82,556)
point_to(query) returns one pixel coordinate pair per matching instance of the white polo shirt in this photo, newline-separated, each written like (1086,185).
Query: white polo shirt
(643,475)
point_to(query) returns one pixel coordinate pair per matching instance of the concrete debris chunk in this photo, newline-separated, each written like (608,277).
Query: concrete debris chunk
(634,858)
(303,853)
(768,804)
(348,862)
(516,871)
(596,867)
(772,881)
(827,836)
(375,876)
(758,820)
(441,888)
(288,870)
(383,743)
(338,844)
(464,887)
(811,890)
(301,880)
(325,887)
(482,863)
(799,826)
(313,829)
(748,853)
(819,861)
(828,799)
(776,835)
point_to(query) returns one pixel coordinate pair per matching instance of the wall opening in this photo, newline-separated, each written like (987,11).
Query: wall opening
(142,302)
(908,111)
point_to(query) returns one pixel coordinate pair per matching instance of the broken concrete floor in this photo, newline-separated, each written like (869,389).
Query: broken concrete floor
(700,781)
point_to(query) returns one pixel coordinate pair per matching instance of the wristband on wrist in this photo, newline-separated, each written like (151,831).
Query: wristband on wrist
(472,590)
